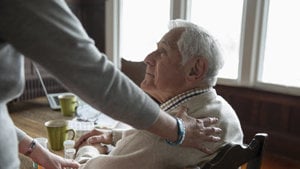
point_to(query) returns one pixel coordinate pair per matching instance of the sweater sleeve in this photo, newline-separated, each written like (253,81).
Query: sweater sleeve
(116,136)
(48,33)
(86,153)
(20,134)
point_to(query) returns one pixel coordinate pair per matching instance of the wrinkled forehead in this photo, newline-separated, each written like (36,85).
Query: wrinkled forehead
(170,38)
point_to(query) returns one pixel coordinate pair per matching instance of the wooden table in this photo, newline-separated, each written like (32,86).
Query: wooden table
(30,116)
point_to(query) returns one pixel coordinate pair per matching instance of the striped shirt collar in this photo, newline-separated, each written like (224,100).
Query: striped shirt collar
(181,98)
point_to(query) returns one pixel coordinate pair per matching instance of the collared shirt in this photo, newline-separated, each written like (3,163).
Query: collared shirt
(174,102)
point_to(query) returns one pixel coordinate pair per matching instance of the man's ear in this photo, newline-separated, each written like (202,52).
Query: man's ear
(197,69)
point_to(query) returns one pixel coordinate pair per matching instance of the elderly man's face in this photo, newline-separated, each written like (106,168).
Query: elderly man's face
(165,74)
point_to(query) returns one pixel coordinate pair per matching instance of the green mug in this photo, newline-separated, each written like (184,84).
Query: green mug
(68,104)
(58,132)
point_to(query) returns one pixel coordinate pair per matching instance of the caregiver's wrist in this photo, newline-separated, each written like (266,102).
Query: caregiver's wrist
(180,133)
(165,126)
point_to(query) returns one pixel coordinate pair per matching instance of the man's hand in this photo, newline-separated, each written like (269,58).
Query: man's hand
(199,131)
(95,137)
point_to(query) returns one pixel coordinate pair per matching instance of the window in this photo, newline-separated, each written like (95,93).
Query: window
(223,19)
(281,54)
(259,38)
(143,23)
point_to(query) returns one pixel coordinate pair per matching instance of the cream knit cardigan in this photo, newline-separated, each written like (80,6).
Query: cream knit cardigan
(140,149)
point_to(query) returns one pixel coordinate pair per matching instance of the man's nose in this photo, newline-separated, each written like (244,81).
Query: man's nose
(149,60)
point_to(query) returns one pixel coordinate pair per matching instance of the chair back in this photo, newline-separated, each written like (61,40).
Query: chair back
(232,156)
(134,70)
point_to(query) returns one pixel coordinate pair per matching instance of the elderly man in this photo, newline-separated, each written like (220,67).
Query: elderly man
(181,72)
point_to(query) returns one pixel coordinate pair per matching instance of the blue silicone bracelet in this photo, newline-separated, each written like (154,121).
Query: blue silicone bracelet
(180,132)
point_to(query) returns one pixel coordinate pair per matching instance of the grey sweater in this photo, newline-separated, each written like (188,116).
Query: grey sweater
(47,32)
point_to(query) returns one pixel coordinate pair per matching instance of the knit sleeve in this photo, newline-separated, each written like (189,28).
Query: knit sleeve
(116,136)
(65,50)
(86,153)
(20,134)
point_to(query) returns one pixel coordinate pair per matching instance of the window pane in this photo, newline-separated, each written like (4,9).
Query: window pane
(143,23)
(223,19)
(281,58)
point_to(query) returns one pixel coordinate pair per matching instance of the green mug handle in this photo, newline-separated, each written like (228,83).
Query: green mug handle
(76,103)
(73,133)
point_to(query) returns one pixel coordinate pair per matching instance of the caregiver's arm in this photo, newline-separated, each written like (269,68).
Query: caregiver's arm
(197,130)
(63,43)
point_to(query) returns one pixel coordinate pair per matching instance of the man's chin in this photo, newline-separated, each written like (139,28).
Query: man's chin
(146,85)
(149,89)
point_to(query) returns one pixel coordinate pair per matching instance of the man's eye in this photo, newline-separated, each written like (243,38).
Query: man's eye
(162,52)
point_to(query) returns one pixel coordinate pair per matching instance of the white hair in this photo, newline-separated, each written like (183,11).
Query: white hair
(197,42)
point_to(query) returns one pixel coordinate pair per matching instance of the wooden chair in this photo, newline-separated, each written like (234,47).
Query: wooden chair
(233,156)
(134,70)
